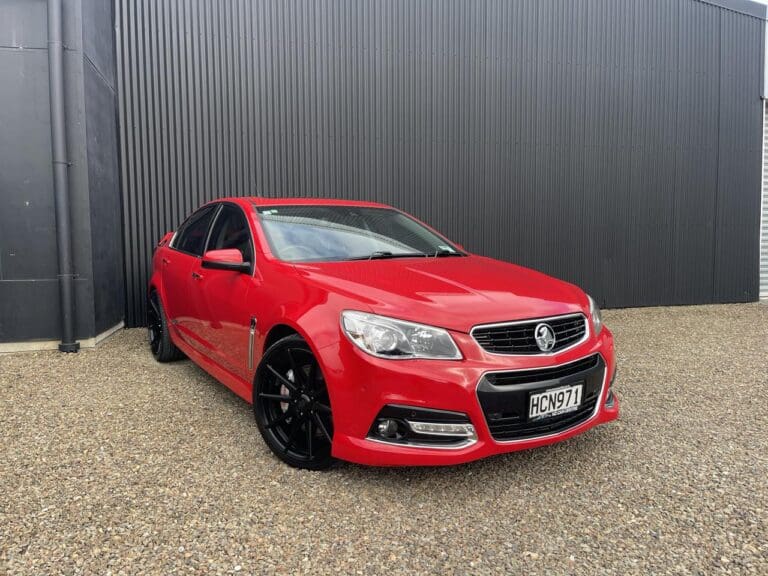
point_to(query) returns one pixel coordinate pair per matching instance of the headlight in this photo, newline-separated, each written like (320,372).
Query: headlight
(594,313)
(389,338)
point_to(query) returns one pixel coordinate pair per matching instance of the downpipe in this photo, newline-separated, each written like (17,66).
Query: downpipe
(60,177)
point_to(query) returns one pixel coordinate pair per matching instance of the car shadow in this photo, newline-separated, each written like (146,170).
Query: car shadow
(547,461)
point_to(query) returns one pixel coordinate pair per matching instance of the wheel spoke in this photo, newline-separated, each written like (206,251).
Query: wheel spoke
(280,397)
(322,427)
(295,425)
(298,376)
(309,436)
(280,419)
(323,407)
(288,384)
(312,376)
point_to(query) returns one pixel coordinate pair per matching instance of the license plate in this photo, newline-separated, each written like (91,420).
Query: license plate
(555,401)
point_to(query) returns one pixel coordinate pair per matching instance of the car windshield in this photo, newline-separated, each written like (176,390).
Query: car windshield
(326,233)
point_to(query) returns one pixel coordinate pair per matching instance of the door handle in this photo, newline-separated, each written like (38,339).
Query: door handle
(166,261)
(196,276)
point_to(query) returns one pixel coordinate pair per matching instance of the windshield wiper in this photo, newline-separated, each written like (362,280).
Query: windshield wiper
(444,252)
(384,255)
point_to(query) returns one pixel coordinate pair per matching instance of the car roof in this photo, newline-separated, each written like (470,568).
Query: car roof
(259,201)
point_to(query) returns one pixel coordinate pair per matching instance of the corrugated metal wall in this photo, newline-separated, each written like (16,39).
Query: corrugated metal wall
(613,143)
(764,218)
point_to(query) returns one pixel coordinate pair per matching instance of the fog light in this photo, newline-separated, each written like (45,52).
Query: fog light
(387,428)
(443,429)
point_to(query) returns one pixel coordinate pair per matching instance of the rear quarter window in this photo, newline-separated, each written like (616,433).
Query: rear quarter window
(193,232)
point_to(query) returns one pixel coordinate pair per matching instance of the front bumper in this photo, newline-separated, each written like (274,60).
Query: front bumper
(361,386)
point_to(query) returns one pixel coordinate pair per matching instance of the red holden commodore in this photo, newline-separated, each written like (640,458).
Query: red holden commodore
(359,333)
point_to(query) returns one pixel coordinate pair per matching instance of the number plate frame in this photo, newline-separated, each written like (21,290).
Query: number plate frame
(549,403)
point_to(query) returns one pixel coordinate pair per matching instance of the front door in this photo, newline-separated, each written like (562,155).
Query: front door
(224,313)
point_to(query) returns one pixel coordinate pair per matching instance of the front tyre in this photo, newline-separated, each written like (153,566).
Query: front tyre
(292,406)
(163,348)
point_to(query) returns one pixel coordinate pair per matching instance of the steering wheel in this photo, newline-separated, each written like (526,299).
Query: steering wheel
(296,251)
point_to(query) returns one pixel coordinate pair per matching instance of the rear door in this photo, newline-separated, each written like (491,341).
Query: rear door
(180,265)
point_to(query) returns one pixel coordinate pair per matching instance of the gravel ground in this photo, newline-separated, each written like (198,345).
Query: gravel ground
(112,463)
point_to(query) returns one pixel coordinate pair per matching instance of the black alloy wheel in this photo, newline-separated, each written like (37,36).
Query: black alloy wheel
(292,406)
(163,348)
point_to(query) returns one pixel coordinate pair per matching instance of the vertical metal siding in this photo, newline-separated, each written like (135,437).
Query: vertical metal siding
(613,143)
(764,214)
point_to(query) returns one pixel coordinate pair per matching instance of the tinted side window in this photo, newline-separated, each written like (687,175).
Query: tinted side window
(192,234)
(231,231)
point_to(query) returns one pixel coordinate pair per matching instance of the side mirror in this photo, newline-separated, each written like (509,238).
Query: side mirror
(229,259)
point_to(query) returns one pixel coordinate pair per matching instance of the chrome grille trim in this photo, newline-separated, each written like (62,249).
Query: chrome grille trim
(533,322)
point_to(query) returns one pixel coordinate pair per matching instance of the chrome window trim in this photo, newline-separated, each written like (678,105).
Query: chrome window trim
(587,334)
(553,434)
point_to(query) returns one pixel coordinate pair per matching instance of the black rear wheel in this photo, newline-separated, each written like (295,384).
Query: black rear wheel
(292,406)
(163,348)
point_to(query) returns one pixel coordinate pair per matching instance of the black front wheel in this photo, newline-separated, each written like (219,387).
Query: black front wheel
(292,406)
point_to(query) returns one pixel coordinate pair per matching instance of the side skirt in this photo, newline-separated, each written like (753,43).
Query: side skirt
(230,380)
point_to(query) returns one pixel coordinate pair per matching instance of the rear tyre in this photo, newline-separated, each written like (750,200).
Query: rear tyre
(292,406)
(163,348)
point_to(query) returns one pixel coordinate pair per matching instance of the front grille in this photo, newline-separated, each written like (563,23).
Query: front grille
(519,338)
(504,397)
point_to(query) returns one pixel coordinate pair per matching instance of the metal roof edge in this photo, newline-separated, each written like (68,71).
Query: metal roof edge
(755,10)
(746,7)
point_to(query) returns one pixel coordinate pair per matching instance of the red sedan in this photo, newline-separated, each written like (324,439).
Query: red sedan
(359,333)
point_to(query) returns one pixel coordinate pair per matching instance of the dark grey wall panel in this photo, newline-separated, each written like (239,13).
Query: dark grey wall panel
(27,223)
(29,310)
(21,24)
(29,302)
(738,208)
(99,37)
(100,100)
(613,143)
(105,213)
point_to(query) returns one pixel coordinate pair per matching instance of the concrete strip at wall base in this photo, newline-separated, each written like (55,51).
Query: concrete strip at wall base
(37,345)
